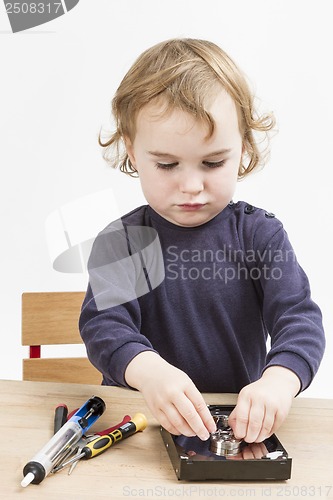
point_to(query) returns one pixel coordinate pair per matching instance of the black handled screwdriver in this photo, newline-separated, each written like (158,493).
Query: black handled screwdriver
(102,443)
(60,417)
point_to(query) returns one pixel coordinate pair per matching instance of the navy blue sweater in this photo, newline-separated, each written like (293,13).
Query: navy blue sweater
(226,286)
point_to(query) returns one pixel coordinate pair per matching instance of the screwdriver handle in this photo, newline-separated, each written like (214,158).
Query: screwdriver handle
(102,443)
(60,416)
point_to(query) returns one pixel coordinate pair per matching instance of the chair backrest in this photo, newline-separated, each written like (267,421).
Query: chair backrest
(50,318)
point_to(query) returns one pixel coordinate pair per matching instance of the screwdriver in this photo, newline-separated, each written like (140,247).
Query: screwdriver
(102,443)
(60,417)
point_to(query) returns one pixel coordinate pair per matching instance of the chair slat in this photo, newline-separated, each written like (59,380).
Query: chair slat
(70,370)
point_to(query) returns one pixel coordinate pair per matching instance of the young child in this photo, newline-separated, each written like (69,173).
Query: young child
(184,291)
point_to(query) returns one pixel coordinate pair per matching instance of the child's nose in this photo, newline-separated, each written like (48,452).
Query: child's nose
(191,183)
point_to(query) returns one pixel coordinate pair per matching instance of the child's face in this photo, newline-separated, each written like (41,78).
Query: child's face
(185,177)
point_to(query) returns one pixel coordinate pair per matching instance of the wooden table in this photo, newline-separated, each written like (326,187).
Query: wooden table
(139,467)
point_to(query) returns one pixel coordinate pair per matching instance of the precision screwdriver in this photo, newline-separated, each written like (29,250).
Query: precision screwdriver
(102,443)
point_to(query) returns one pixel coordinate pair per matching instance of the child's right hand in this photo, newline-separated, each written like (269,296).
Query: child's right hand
(170,395)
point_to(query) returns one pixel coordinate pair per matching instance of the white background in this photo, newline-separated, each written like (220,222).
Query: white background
(56,84)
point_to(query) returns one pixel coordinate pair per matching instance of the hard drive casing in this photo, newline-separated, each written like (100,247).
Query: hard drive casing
(192,459)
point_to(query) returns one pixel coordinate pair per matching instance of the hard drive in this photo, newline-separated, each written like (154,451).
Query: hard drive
(223,457)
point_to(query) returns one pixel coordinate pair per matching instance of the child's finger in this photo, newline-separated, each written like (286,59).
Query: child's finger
(206,416)
(197,414)
(267,426)
(176,421)
(168,424)
(239,419)
(190,419)
(255,423)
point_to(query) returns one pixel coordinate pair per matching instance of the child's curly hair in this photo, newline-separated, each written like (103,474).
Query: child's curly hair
(183,74)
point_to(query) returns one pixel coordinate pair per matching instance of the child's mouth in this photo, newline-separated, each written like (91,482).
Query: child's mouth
(191,206)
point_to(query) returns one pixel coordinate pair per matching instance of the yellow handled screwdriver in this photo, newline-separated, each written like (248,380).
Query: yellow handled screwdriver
(102,443)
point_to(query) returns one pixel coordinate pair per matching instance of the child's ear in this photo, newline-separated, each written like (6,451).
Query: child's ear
(129,150)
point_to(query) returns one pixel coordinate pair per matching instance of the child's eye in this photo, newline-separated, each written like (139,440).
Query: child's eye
(166,166)
(214,164)
(209,164)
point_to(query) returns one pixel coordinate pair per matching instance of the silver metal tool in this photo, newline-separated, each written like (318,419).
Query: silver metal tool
(81,444)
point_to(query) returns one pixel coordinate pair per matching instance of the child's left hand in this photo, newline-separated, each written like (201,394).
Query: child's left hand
(263,405)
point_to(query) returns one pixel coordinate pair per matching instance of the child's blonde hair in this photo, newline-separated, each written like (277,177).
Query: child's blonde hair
(184,73)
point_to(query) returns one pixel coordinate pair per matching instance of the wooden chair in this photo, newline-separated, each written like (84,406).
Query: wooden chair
(52,318)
